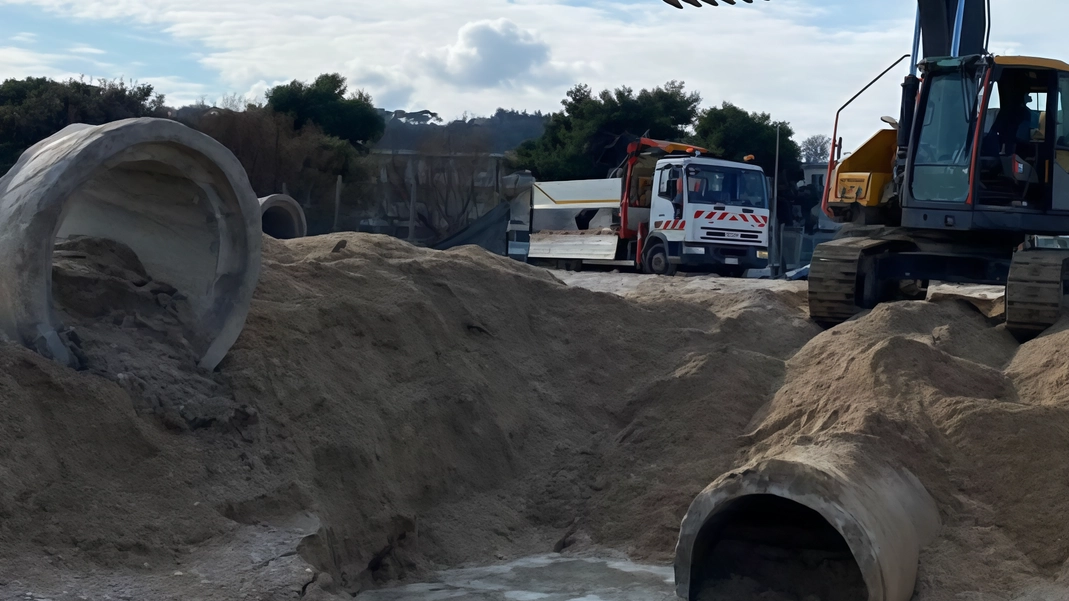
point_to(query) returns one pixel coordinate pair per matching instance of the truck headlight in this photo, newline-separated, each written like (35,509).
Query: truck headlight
(762,254)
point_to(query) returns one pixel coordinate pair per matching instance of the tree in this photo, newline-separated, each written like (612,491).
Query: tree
(816,149)
(732,133)
(511,128)
(454,173)
(275,153)
(34,108)
(569,148)
(325,102)
(459,159)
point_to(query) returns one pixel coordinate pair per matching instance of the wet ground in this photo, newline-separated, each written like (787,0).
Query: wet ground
(628,284)
(541,578)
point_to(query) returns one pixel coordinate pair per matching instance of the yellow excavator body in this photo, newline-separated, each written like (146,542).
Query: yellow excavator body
(861,177)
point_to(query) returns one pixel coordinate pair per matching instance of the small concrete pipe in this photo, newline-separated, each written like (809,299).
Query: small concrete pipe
(179,199)
(779,522)
(283,218)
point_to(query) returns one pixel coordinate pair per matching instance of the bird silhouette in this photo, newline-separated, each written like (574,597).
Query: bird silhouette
(678,3)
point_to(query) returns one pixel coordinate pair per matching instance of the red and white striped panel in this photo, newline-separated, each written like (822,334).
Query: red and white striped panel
(675,224)
(758,220)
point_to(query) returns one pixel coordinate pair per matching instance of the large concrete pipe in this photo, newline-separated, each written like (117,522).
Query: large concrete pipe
(176,197)
(823,522)
(283,218)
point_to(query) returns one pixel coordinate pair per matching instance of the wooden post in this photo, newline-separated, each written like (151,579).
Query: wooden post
(337,204)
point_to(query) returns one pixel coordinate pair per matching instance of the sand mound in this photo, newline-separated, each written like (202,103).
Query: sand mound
(403,407)
(388,409)
(936,388)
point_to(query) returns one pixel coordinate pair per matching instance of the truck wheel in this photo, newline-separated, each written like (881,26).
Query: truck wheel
(657,261)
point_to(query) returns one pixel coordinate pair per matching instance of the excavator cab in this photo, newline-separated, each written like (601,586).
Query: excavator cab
(975,174)
(983,154)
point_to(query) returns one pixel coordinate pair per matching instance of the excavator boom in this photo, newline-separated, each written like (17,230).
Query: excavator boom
(938,24)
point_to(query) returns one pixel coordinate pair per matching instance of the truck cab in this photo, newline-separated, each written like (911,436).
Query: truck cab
(702,213)
(671,208)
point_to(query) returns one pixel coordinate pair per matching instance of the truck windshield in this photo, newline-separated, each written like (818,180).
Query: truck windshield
(707,184)
(943,153)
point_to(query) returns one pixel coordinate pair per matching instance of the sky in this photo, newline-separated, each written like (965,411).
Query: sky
(798,60)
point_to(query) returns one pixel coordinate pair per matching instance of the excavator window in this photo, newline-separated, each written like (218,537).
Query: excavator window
(1060,168)
(943,152)
(1014,152)
(1061,136)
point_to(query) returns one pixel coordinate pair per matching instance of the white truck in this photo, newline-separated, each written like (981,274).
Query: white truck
(673,207)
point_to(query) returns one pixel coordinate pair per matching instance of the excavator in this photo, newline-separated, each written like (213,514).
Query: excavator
(968,185)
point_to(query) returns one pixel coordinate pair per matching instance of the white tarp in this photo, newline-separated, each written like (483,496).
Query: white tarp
(579,194)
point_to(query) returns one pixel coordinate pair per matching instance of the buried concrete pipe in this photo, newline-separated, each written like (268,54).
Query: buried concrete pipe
(179,199)
(816,522)
(283,218)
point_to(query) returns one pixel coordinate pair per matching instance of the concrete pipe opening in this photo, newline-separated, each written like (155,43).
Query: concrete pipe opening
(283,218)
(827,524)
(768,547)
(175,197)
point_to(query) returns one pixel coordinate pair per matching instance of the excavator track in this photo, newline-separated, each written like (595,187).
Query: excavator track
(833,278)
(1034,291)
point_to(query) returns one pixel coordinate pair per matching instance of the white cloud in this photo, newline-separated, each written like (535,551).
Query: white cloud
(258,90)
(488,54)
(82,49)
(178,91)
(792,58)
(19,62)
(24,37)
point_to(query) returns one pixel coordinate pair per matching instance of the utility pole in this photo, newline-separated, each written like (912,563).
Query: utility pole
(774,238)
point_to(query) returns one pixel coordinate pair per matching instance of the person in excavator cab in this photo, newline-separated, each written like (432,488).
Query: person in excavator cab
(1014,122)
(1011,127)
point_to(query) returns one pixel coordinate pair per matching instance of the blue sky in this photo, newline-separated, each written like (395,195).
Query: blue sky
(106,48)
(798,59)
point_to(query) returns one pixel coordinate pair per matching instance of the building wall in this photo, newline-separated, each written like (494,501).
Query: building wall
(815,174)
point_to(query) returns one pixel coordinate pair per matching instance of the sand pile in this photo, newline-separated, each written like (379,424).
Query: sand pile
(389,409)
(386,409)
(936,388)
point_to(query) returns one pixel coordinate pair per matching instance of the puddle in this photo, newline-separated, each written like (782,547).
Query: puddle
(542,578)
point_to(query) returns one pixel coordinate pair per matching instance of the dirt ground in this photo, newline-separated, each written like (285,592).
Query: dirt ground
(389,411)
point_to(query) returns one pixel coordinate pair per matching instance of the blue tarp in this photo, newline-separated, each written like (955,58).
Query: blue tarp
(801,273)
(489,231)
